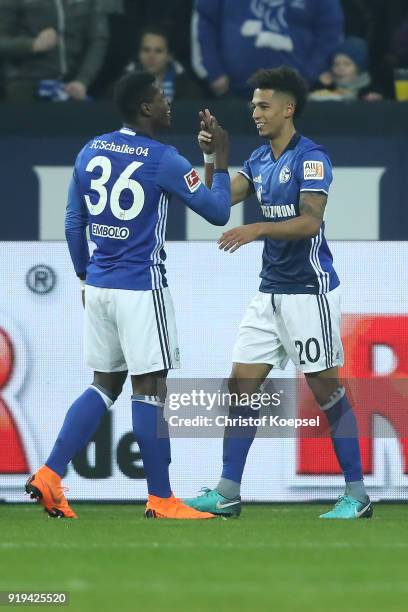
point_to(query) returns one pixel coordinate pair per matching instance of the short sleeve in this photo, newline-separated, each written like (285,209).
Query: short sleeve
(246,171)
(315,171)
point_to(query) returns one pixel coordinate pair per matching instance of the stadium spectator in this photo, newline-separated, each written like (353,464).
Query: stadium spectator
(232,38)
(387,19)
(155,57)
(124,19)
(358,18)
(127,19)
(399,44)
(114,6)
(174,18)
(395,80)
(50,52)
(348,78)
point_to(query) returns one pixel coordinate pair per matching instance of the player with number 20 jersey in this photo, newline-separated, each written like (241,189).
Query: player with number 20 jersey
(296,313)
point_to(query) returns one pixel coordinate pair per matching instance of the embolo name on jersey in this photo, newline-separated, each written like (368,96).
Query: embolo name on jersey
(127,212)
(120,189)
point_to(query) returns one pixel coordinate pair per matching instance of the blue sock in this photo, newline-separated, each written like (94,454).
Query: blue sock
(237,442)
(152,435)
(81,422)
(344,432)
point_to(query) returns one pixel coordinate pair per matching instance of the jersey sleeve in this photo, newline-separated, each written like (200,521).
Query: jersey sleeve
(76,221)
(176,175)
(315,171)
(206,54)
(246,171)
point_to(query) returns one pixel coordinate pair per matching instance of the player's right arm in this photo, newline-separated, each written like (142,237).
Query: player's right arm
(76,222)
(241,184)
(241,189)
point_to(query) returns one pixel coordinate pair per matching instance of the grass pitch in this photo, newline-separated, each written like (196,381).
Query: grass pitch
(277,557)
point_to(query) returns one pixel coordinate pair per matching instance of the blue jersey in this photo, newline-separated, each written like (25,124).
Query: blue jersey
(292,266)
(121,186)
(235,37)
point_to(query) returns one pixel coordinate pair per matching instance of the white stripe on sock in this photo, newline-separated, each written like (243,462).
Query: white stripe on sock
(106,399)
(154,400)
(334,398)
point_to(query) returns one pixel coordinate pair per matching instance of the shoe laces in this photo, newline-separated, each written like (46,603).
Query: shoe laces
(206,491)
(345,499)
(61,492)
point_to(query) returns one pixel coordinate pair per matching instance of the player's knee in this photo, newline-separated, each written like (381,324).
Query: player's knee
(110,385)
(246,379)
(239,370)
(323,387)
(150,384)
(108,397)
(333,399)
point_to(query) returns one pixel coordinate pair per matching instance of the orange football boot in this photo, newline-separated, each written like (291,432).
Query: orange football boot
(45,486)
(172,508)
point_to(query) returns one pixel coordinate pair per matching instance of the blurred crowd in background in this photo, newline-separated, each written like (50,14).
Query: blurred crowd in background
(57,50)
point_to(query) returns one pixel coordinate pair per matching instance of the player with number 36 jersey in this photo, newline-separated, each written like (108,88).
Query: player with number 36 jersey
(121,187)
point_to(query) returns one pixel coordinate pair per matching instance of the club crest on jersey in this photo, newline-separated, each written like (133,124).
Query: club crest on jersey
(192,180)
(285,175)
(313,170)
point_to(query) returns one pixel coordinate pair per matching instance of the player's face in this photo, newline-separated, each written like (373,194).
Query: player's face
(154,54)
(160,111)
(270,112)
(344,69)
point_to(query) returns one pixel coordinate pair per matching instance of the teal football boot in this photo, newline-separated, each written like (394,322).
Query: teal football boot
(212,501)
(347,507)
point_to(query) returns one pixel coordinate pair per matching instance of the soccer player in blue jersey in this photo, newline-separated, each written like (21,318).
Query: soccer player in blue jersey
(296,314)
(120,189)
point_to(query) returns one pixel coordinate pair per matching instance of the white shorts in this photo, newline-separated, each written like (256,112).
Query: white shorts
(130,330)
(301,327)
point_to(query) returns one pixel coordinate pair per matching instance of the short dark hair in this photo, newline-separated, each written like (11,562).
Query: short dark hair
(156,30)
(284,80)
(131,91)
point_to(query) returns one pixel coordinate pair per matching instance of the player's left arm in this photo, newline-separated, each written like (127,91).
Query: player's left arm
(176,176)
(307,225)
(314,175)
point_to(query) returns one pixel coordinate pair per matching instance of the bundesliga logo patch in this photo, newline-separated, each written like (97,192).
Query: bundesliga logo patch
(313,170)
(193,180)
